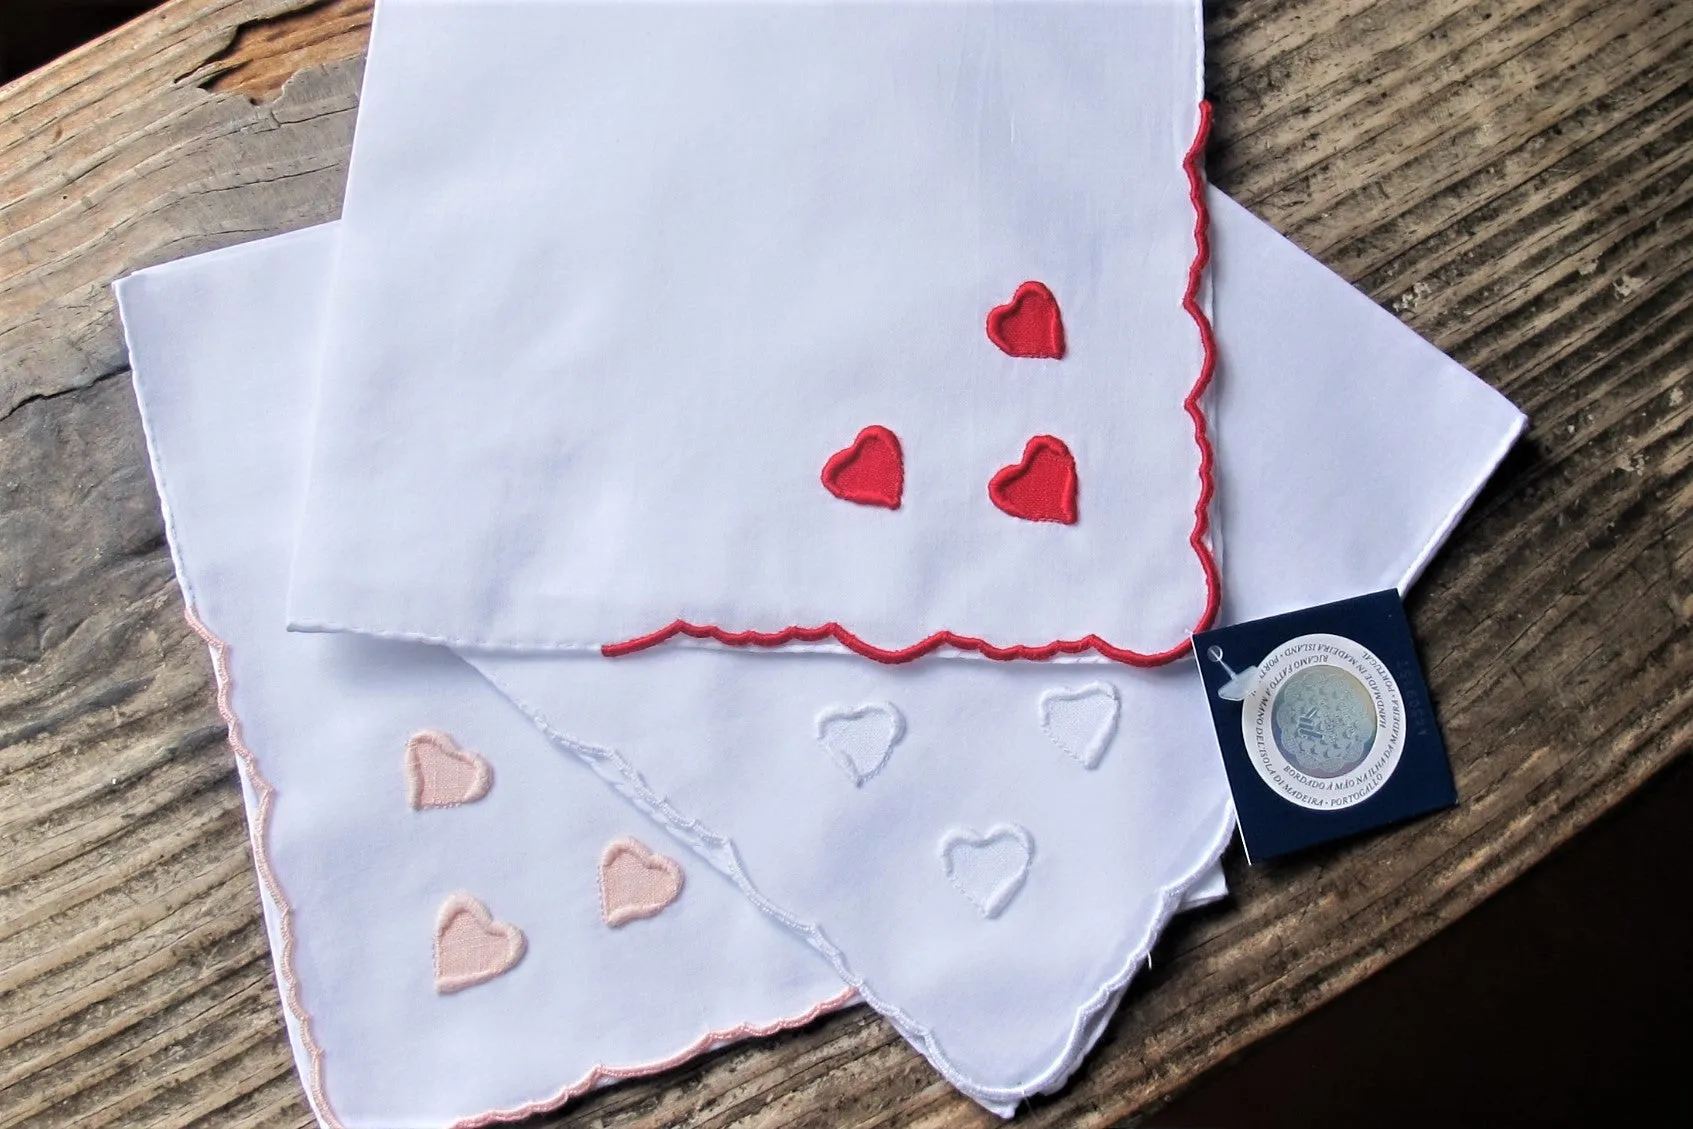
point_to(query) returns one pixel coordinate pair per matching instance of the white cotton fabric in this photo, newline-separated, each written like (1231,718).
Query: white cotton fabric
(1353,446)
(617,279)
(222,348)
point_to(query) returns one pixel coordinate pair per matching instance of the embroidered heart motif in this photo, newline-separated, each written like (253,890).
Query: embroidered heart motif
(470,946)
(1082,721)
(871,472)
(860,740)
(988,869)
(439,774)
(636,882)
(1041,486)
(1029,325)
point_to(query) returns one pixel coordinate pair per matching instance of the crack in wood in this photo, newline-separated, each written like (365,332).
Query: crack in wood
(43,397)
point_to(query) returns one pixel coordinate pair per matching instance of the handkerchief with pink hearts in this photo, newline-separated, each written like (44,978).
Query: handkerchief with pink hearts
(466,927)
(878,326)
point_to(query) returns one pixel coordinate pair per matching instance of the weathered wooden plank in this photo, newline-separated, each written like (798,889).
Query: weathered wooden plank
(1512,178)
(113,161)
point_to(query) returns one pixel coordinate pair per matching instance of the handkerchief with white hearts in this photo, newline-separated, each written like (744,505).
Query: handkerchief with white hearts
(868,326)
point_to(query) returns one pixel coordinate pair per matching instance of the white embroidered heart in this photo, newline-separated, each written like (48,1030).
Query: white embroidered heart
(636,881)
(1082,721)
(439,774)
(988,869)
(470,946)
(860,740)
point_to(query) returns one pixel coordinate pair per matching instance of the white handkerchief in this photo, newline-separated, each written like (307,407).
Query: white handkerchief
(466,926)
(987,851)
(876,325)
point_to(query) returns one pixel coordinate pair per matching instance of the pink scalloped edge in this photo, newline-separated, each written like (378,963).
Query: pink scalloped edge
(600,1075)
(597,1075)
(267,876)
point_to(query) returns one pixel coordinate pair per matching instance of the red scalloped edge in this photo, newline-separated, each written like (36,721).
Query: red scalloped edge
(1196,538)
(597,1075)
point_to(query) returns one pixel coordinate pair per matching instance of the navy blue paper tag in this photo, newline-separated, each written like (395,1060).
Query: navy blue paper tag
(1324,723)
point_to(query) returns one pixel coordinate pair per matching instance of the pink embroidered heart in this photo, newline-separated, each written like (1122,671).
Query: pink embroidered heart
(470,946)
(1041,486)
(871,472)
(636,882)
(439,774)
(1029,325)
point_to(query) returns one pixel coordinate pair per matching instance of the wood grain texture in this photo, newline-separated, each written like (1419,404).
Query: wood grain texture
(115,158)
(1512,178)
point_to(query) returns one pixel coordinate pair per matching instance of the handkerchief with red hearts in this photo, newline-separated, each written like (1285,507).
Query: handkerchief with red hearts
(901,381)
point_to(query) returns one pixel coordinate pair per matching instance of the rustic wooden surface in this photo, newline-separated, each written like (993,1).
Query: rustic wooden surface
(1512,178)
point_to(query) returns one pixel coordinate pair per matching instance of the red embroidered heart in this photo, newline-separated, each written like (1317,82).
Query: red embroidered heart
(1029,325)
(871,472)
(1042,486)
